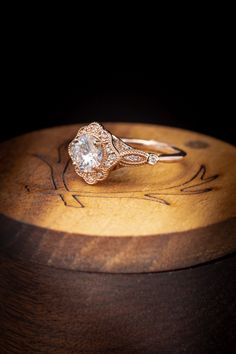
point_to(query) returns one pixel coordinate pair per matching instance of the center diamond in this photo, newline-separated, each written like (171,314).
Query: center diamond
(87,152)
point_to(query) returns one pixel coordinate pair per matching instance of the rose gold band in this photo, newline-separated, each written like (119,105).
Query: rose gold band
(166,152)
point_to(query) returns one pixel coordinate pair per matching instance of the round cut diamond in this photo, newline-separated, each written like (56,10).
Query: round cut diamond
(87,152)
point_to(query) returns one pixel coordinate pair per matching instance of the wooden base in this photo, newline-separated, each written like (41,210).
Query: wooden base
(142,219)
(61,240)
(57,311)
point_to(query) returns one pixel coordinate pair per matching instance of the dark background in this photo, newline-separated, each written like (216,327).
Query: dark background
(195,98)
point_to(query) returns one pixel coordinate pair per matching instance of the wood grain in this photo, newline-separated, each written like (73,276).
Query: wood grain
(142,219)
(46,310)
(160,230)
(116,254)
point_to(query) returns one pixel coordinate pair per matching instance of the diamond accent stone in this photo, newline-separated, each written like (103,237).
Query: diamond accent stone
(104,134)
(87,152)
(133,158)
(112,156)
(152,159)
(108,149)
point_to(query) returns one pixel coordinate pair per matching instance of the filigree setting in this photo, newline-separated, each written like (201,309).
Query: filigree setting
(109,156)
(197,183)
(95,152)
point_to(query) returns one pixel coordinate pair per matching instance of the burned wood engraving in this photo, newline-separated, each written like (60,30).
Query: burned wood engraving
(198,183)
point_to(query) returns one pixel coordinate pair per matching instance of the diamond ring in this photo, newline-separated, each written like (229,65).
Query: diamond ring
(95,152)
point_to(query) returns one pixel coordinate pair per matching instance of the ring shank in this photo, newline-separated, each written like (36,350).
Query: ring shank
(167,153)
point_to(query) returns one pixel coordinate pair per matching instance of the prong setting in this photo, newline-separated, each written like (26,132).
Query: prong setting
(93,154)
(153,159)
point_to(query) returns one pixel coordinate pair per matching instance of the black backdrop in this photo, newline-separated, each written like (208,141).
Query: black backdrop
(183,97)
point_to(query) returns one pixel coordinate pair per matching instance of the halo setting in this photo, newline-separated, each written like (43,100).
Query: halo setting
(95,152)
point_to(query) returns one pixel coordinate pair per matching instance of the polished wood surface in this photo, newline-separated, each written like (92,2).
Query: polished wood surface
(143,263)
(149,218)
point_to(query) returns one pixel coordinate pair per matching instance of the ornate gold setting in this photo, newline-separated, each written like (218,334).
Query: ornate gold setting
(117,153)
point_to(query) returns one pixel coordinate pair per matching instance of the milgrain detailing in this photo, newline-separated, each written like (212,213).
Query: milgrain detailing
(95,152)
(197,183)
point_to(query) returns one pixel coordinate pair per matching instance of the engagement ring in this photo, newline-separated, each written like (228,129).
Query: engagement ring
(95,152)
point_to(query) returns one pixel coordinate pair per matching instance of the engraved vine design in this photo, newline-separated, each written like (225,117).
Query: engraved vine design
(198,183)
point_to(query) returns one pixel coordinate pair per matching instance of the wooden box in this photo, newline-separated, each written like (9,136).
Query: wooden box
(142,263)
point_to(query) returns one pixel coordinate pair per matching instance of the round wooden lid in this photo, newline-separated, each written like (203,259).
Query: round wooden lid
(142,219)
